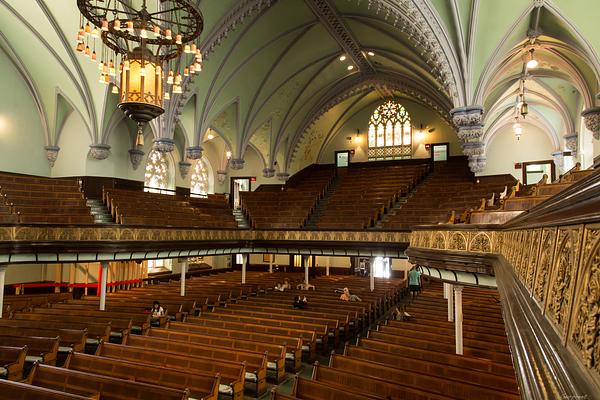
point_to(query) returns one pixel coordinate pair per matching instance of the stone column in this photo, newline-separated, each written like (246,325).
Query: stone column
(458,326)
(450,298)
(445,290)
(559,162)
(571,142)
(3,269)
(103,278)
(244,263)
(469,122)
(184,264)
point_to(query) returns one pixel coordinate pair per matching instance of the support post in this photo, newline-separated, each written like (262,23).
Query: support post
(271,256)
(184,265)
(305,261)
(445,291)
(327,265)
(3,269)
(372,276)
(244,263)
(458,326)
(103,278)
(450,292)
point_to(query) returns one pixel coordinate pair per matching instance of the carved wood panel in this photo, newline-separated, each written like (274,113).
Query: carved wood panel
(563,276)
(534,253)
(540,286)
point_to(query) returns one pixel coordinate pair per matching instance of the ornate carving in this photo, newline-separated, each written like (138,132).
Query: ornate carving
(587,313)
(469,121)
(591,116)
(559,161)
(99,151)
(566,262)
(268,172)
(457,241)
(546,259)
(571,142)
(52,154)
(533,259)
(481,243)
(237,163)
(283,176)
(438,241)
(221,175)
(164,145)
(136,156)
(184,168)
(194,152)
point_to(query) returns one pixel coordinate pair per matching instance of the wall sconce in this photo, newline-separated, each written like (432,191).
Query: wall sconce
(421,133)
(228,155)
(358,138)
(210,135)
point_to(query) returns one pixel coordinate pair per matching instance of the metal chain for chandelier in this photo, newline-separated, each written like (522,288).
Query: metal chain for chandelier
(143,47)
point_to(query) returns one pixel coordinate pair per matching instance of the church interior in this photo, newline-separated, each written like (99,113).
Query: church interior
(299,199)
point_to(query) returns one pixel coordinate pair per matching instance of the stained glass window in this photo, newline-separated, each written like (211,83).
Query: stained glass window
(157,173)
(199,185)
(390,132)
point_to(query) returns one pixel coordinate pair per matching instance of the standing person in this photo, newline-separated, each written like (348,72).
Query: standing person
(414,281)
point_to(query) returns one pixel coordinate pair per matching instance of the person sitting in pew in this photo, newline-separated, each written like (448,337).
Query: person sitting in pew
(279,287)
(286,284)
(300,302)
(305,286)
(157,312)
(347,296)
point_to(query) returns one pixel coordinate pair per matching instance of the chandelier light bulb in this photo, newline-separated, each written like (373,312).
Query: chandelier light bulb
(177,89)
(81,34)
(104,25)
(193,48)
(101,65)
(130,26)
(143,33)
(168,34)
(87,29)
(87,51)
(80,47)
(95,34)
(117,25)
(157,31)
(115,89)
(158,70)
(177,79)
(94,56)
(198,55)
(105,69)
(101,79)
(532,63)
(186,71)
(178,39)
(170,78)
(193,69)
(187,49)
(167,96)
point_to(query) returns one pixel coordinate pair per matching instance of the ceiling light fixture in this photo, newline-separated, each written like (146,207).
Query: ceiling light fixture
(343,57)
(517,128)
(350,67)
(144,59)
(532,63)
(370,53)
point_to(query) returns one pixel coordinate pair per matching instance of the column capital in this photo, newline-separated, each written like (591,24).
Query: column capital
(457,288)
(3,267)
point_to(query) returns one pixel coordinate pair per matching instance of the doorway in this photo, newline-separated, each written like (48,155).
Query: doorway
(382,267)
(342,158)
(440,151)
(533,171)
(238,185)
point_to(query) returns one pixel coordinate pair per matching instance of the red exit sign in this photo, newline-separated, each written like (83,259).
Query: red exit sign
(253,179)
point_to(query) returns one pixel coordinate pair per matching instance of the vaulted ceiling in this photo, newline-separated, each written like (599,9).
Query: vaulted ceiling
(273,67)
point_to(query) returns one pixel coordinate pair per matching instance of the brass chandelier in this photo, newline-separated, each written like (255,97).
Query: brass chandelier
(142,47)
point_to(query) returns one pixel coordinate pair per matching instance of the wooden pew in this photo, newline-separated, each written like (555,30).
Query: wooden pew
(440,385)
(12,360)
(308,389)
(308,337)
(275,353)
(42,349)
(87,384)
(466,369)
(371,386)
(200,386)
(232,374)
(70,339)
(96,332)
(256,364)
(22,391)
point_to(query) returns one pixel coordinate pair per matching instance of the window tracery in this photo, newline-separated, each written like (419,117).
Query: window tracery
(157,172)
(199,183)
(390,132)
